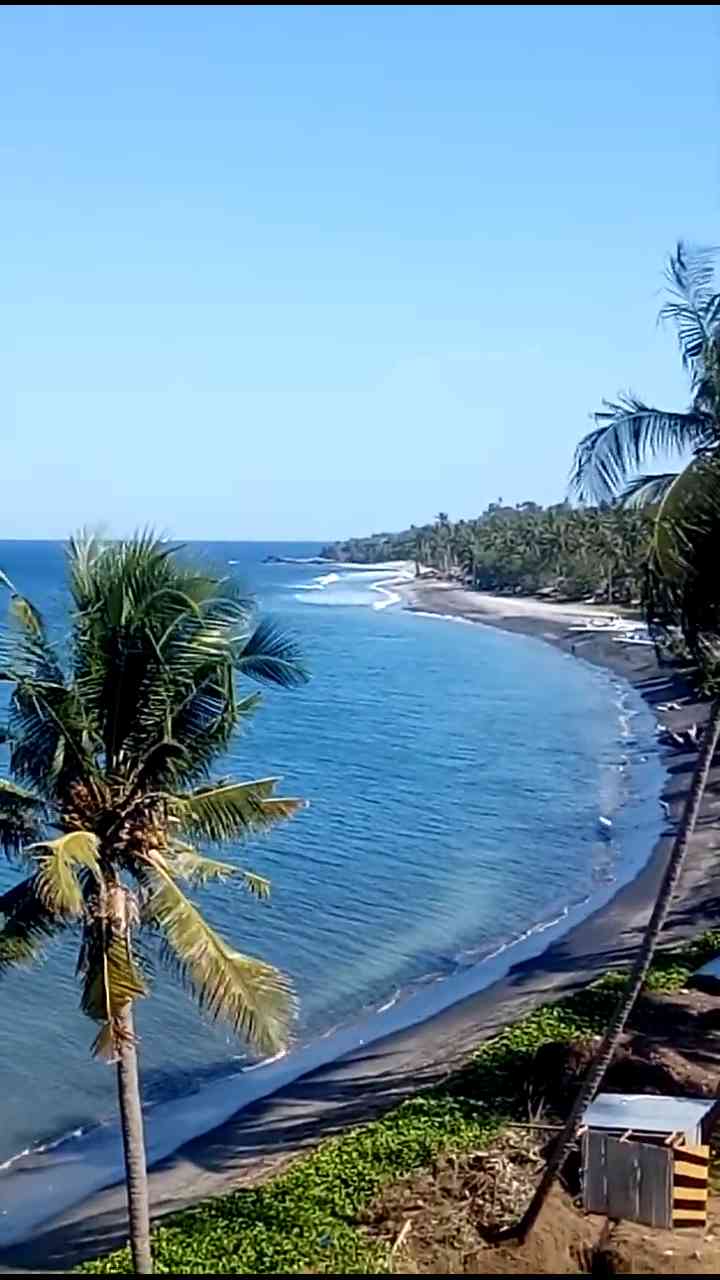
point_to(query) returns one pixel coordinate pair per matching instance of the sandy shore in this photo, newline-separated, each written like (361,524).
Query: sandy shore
(262,1137)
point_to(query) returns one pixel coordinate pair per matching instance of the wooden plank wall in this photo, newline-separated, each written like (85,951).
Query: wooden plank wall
(625,1179)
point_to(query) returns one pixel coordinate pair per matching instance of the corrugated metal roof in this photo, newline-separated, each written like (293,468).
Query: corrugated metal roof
(647,1112)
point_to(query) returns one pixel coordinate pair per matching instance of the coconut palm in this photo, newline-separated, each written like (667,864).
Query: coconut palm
(682,587)
(629,433)
(112,740)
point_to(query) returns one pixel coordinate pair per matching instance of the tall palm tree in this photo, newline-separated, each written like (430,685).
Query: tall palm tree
(683,586)
(629,433)
(112,739)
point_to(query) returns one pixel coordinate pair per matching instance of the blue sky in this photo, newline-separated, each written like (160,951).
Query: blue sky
(307,271)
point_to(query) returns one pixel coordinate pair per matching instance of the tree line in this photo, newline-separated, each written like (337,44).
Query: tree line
(565,551)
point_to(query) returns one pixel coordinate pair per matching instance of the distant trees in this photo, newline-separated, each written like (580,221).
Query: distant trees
(571,552)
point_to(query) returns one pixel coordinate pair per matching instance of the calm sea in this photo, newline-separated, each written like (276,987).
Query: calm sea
(457,778)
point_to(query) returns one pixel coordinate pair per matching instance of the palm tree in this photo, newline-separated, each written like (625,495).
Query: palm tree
(112,739)
(682,577)
(629,432)
(442,541)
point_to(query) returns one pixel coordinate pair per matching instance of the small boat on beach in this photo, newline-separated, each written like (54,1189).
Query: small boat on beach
(606,622)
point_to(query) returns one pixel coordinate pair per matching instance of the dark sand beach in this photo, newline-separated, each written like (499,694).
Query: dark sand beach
(263,1136)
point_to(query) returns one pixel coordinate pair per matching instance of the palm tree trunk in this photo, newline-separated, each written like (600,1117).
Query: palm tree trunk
(638,974)
(133,1135)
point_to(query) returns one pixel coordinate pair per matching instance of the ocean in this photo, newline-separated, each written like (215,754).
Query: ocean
(470,793)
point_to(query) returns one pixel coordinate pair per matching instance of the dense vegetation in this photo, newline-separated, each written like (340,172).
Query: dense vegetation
(525,549)
(305,1219)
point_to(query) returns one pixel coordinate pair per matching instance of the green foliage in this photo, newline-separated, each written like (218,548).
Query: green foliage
(304,1220)
(111,740)
(630,432)
(681,587)
(60,863)
(569,553)
(252,996)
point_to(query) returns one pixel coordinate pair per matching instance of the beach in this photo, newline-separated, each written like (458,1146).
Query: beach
(265,1135)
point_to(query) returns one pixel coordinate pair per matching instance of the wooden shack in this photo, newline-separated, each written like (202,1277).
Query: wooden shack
(645,1158)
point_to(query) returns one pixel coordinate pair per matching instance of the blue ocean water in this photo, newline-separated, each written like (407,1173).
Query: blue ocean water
(456,777)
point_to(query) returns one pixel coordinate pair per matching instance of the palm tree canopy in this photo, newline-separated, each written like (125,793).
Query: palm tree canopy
(629,432)
(112,741)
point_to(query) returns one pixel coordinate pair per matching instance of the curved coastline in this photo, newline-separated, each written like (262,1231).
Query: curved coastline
(353,1073)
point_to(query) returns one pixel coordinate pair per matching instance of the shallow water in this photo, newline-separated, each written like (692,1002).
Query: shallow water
(456,777)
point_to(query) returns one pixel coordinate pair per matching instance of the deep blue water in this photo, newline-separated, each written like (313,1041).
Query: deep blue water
(456,777)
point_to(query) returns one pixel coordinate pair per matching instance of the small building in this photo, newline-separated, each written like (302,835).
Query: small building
(645,1158)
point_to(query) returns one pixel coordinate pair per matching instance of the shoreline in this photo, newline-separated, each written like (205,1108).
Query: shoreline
(261,1137)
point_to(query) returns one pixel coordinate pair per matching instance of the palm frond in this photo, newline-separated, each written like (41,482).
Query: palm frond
(47,728)
(233,810)
(185,863)
(112,979)
(28,652)
(269,655)
(59,864)
(258,886)
(252,996)
(37,743)
(82,551)
(22,816)
(126,595)
(27,615)
(694,307)
(628,433)
(683,588)
(154,647)
(196,735)
(647,490)
(687,524)
(28,924)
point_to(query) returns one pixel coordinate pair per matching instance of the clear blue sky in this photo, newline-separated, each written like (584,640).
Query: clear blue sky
(299,271)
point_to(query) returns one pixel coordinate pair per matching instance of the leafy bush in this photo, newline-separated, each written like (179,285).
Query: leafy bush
(303,1220)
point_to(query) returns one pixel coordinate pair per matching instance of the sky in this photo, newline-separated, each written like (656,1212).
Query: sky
(303,272)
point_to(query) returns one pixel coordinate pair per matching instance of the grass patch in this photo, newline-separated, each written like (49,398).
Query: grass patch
(303,1220)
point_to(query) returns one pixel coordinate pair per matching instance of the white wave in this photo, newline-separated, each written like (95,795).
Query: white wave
(254,1066)
(319,584)
(352,589)
(531,932)
(392,598)
(43,1147)
(326,600)
(383,1008)
(445,617)
(382,566)
(8,1163)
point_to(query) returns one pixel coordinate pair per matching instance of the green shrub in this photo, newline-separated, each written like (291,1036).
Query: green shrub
(303,1220)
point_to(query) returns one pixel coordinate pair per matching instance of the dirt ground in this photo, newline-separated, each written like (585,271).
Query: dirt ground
(438,1221)
(446,1234)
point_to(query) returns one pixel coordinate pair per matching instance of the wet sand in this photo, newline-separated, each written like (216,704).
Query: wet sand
(261,1138)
